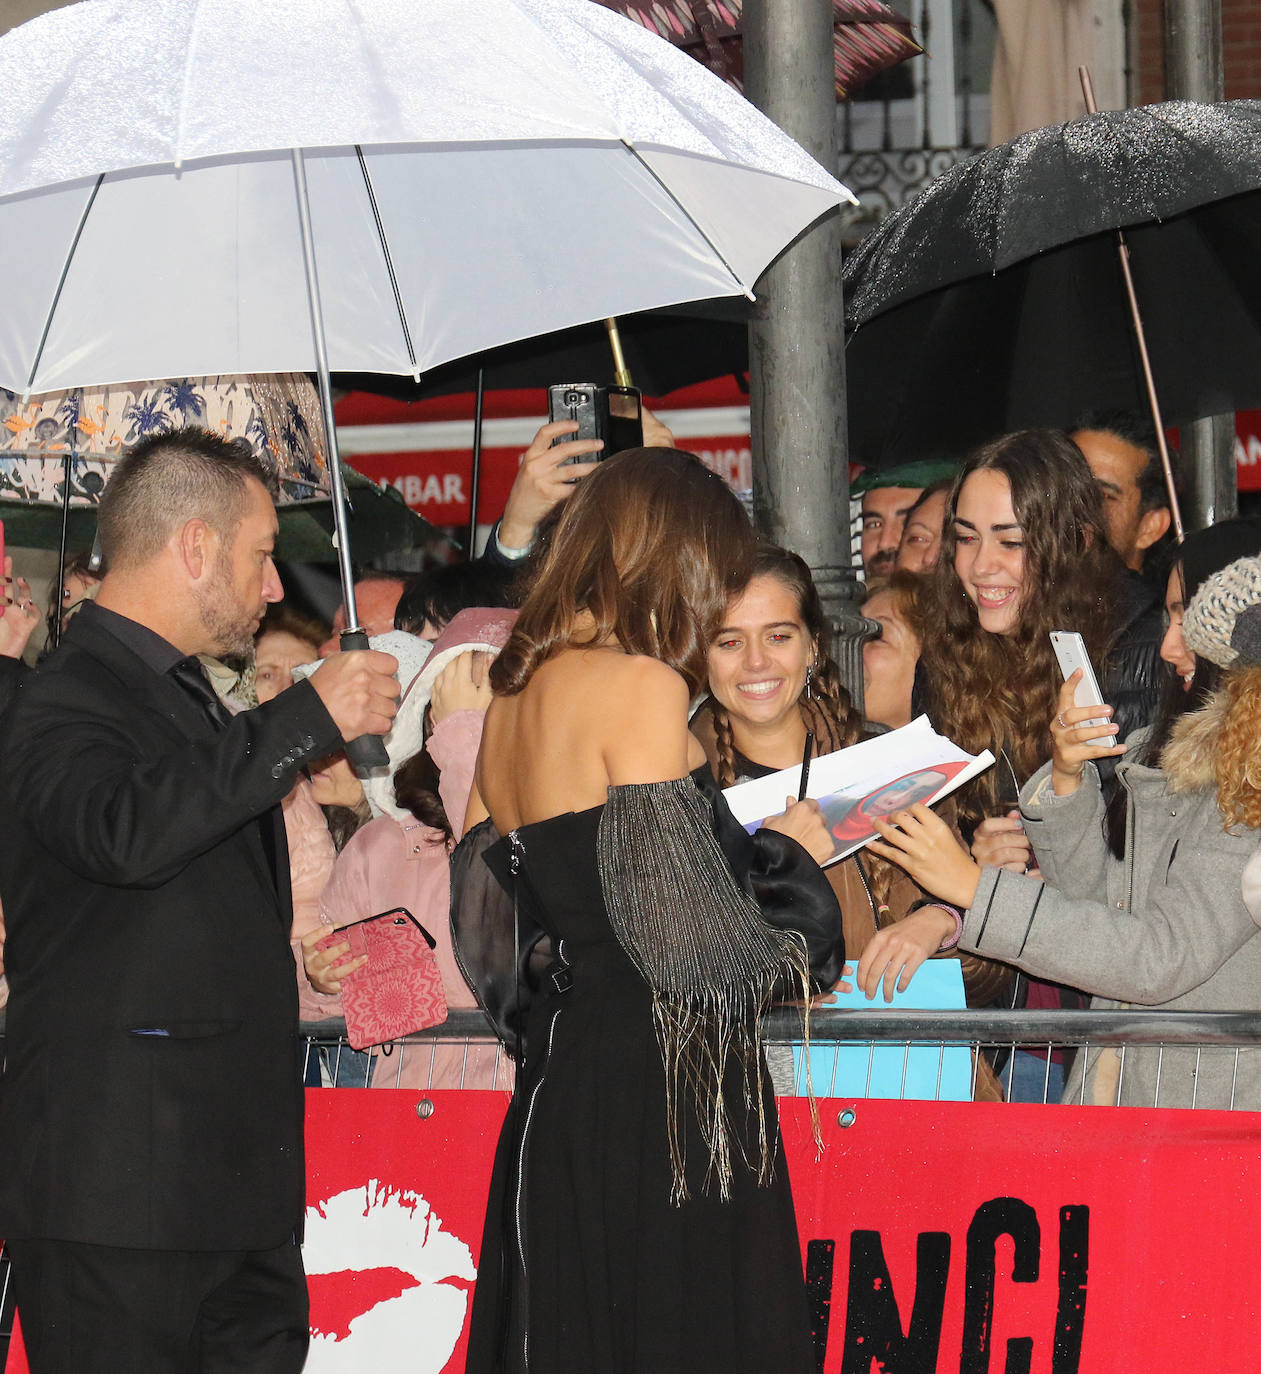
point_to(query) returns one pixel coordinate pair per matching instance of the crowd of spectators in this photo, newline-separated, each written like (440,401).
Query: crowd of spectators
(967,567)
(1109,857)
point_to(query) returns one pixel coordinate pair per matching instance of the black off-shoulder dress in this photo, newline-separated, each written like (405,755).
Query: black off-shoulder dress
(587,1264)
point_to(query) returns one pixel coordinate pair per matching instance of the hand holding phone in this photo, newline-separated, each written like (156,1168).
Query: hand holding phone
(1070,653)
(612,414)
(1080,693)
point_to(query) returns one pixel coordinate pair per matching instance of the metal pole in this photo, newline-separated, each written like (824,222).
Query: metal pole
(341,534)
(621,373)
(368,751)
(475,480)
(1193,71)
(796,336)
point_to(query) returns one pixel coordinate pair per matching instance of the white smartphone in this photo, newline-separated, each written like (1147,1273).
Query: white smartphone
(1070,653)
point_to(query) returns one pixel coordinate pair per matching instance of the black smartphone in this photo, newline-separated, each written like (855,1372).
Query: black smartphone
(611,413)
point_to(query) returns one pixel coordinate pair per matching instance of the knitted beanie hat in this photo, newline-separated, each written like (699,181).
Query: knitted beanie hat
(1223,620)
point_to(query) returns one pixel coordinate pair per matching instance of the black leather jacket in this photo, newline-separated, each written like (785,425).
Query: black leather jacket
(1132,680)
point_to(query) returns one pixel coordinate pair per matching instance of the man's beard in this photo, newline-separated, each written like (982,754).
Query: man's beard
(882,562)
(230,630)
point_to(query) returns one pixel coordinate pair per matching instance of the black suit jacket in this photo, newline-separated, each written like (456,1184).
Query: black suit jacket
(151,1097)
(11,672)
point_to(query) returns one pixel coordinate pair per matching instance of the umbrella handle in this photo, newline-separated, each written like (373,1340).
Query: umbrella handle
(368,751)
(1140,339)
(621,373)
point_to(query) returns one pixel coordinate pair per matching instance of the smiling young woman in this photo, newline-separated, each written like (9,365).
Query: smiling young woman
(772,679)
(1025,554)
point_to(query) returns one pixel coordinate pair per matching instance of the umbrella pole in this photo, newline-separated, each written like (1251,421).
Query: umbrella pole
(1140,337)
(475,481)
(621,373)
(368,751)
(67,464)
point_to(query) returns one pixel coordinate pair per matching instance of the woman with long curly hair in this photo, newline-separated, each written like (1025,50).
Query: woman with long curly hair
(1167,923)
(772,681)
(640,1215)
(1026,553)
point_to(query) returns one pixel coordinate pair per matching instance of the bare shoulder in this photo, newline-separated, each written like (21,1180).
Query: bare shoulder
(614,678)
(646,680)
(646,736)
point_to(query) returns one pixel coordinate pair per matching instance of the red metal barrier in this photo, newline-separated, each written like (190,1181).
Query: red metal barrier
(936,1236)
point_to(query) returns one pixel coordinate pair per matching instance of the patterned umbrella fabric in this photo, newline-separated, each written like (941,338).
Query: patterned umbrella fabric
(869,37)
(278,416)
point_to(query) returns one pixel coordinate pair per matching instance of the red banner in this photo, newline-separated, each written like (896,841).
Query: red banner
(955,1236)
(424,448)
(1248,449)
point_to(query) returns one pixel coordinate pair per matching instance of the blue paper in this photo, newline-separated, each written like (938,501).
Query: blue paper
(921,1070)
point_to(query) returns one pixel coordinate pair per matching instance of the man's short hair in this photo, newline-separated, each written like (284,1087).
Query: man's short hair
(1138,430)
(169,479)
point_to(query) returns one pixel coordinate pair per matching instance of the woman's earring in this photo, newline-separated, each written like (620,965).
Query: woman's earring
(810,683)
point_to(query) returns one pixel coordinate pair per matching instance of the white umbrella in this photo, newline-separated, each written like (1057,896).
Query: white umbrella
(528,165)
(193,187)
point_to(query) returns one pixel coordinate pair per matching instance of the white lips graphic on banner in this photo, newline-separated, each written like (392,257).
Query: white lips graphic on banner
(377,1239)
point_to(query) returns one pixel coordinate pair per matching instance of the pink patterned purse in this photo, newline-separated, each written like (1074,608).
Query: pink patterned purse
(399,990)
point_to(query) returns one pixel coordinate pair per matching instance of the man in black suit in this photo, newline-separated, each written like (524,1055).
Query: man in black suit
(151,1112)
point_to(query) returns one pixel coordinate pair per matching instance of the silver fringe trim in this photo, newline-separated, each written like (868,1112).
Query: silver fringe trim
(712,963)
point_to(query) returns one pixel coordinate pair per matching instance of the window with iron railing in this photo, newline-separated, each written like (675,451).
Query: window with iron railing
(911,123)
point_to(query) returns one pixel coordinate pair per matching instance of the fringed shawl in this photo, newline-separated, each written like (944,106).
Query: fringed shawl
(711,960)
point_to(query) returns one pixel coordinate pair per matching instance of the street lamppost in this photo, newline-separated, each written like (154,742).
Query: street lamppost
(797,338)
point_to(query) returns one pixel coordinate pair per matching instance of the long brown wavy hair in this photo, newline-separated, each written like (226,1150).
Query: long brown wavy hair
(999,692)
(825,705)
(652,546)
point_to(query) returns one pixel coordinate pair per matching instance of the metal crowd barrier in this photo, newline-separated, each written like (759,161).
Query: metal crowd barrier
(1187,1039)
(461,1052)
(1165,1045)
(1165,1052)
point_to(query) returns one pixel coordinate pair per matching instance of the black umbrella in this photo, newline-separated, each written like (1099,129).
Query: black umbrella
(995,300)
(665,349)
(662,350)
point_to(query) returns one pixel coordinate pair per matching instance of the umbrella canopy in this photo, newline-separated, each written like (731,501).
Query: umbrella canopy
(277,416)
(995,300)
(869,36)
(664,350)
(478,171)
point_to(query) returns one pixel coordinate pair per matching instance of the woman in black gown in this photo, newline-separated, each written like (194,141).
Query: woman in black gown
(640,1216)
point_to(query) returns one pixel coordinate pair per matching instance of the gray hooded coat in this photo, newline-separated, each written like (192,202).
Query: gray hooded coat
(1164,927)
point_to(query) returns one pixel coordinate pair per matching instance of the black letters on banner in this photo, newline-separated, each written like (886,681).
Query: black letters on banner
(1001,1216)
(873,1326)
(820,1257)
(1070,1315)
(873,1329)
